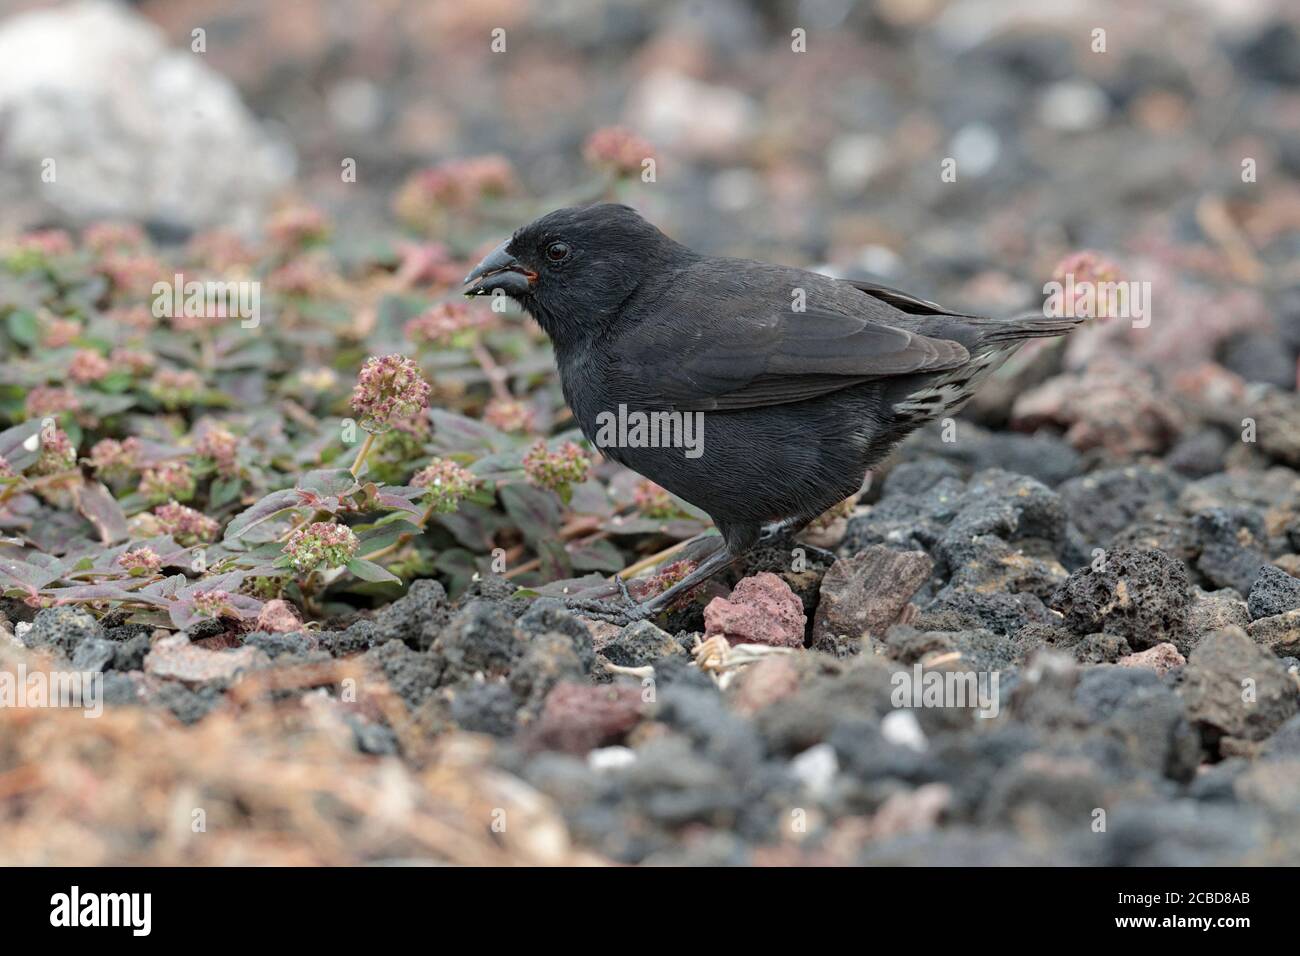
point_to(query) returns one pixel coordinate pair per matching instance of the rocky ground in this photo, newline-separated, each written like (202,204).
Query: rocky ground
(1142,618)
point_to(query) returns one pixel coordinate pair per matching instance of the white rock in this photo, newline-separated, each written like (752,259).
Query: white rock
(1073,106)
(693,118)
(976,147)
(135,130)
(901,728)
(816,768)
(852,160)
(611,758)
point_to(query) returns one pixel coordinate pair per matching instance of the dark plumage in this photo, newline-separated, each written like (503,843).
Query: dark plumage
(797,404)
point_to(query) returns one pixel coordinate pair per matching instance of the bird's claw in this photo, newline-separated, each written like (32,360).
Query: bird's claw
(610,611)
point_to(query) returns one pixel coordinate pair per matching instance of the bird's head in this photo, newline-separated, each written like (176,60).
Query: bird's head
(573,268)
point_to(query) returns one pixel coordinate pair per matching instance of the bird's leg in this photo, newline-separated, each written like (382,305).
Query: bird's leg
(718,561)
(783,533)
(631,610)
(737,540)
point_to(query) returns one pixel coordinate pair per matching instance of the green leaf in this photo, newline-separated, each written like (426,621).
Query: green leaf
(253,518)
(369,571)
(23,327)
(328,481)
(598,555)
(536,512)
(224,491)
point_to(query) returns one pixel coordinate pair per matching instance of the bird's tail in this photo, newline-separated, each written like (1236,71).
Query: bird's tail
(995,333)
(946,392)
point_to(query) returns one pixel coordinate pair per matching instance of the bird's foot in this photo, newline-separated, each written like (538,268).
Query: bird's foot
(819,555)
(626,610)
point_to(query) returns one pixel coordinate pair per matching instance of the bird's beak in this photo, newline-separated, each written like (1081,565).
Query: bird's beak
(500,270)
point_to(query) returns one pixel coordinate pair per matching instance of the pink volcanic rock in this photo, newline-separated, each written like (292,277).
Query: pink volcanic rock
(1160,658)
(761,610)
(278,616)
(578,717)
(1111,405)
(177,659)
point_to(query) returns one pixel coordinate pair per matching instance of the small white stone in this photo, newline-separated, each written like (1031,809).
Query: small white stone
(611,758)
(976,147)
(1073,106)
(901,728)
(816,768)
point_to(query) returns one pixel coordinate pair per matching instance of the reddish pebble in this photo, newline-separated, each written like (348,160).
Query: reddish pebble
(278,617)
(1161,658)
(761,610)
(579,717)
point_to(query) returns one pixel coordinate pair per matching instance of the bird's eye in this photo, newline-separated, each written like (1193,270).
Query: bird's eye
(557,251)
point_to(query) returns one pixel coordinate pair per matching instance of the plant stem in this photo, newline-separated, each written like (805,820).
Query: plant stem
(496,375)
(362,452)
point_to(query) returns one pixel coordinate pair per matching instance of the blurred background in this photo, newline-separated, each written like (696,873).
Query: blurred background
(1072,124)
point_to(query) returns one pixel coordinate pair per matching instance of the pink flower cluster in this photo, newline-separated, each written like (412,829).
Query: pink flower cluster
(170,479)
(558,469)
(87,366)
(445,484)
(454,184)
(114,459)
(175,389)
(57,333)
(440,324)
(618,150)
(140,561)
(221,250)
(653,501)
(321,544)
(214,603)
(46,242)
(131,273)
(301,275)
(509,415)
(220,446)
(47,400)
(58,454)
(389,388)
(133,361)
(295,226)
(186,526)
(105,236)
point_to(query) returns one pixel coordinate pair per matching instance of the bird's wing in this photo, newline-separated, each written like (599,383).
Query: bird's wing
(900,300)
(736,357)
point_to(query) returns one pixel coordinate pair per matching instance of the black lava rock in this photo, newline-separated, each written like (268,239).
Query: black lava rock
(1232,546)
(1141,596)
(1274,592)
(415,618)
(485,708)
(641,643)
(61,629)
(413,675)
(1104,503)
(481,638)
